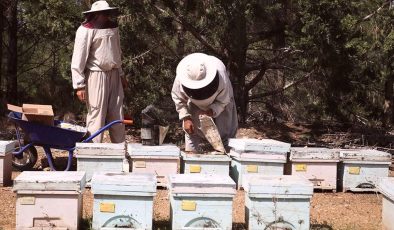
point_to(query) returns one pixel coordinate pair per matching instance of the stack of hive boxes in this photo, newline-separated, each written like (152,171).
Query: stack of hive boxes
(252,156)
(49,200)
(361,169)
(6,148)
(100,157)
(161,160)
(123,200)
(277,202)
(201,201)
(319,165)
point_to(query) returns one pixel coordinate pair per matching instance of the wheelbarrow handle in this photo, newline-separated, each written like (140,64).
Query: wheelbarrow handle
(107,126)
(128,122)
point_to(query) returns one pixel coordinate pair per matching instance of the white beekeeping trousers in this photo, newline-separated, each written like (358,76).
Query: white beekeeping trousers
(104,102)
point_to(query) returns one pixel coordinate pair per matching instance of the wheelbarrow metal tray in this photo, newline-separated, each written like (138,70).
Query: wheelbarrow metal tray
(45,135)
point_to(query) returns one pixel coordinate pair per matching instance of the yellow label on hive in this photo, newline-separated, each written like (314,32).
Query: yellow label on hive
(252,168)
(300,167)
(354,170)
(195,168)
(107,207)
(27,200)
(140,164)
(188,205)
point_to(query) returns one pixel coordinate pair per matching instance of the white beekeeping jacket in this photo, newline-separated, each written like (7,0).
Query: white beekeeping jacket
(95,50)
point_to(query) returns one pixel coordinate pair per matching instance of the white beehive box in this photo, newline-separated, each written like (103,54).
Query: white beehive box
(49,200)
(253,156)
(361,169)
(277,202)
(6,149)
(161,160)
(201,201)
(205,163)
(100,157)
(123,200)
(319,165)
(386,187)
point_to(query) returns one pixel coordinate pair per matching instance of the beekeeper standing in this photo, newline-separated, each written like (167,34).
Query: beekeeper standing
(96,70)
(202,86)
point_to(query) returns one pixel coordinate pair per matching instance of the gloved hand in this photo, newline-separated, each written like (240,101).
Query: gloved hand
(81,93)
(188,125)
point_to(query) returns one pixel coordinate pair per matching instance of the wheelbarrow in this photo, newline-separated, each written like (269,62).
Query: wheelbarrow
(48,137)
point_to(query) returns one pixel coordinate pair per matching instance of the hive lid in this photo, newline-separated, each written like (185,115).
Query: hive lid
(100,149)
(50,181)
(201,184)
(6,147)
(258,184)
(204,157)
(386,187)
(365,155)
(259,156)
(313,154)
(255,145)
(137,149)
(123,183)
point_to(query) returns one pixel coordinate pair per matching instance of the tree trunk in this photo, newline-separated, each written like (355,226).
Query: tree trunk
(236,52)
(388,110)
(12,88)
(2,10)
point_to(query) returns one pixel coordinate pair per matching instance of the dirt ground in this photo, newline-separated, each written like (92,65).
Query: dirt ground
(328,210)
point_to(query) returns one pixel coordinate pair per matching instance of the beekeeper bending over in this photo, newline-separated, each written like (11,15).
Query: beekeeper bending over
(202,86)
(96,70)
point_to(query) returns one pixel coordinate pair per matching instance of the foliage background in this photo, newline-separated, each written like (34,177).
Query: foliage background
(289,60)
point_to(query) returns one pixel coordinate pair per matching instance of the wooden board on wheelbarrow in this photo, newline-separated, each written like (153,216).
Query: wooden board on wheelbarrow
(42,114)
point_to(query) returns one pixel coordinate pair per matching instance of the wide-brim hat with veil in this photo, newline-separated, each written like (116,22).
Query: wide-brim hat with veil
(101,6)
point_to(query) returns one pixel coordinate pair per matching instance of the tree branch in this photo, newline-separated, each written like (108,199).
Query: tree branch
(188,27)
(280,90)
(256,79)
(376,11)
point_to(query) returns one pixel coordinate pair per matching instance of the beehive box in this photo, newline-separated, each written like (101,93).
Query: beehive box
(319,165)
(49,200)
(386,187)
(100,157)
(361,169)
(123,200)
(250,156)
(277,202)
(201,201)
(205,163)
(161,160)
(6,149)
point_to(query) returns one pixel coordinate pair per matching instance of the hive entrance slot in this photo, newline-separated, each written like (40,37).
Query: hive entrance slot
(121,222)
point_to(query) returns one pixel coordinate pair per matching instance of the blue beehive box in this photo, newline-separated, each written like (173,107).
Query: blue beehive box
(123,200)
(201,201)
(277,202)
(361,169)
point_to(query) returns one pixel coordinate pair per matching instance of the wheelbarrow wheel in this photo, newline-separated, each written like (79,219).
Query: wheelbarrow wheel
(27,161)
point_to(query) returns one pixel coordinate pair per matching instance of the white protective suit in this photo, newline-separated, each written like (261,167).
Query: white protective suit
(96,66)
(221,102)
